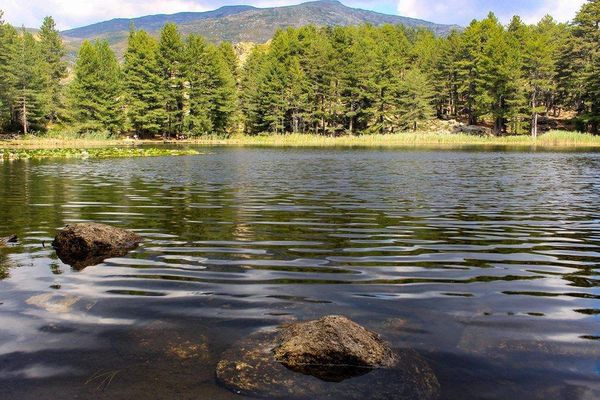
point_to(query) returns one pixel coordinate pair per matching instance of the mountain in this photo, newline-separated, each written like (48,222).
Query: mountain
(151,22)
(245,23)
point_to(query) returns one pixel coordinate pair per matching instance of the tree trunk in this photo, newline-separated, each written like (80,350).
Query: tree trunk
(24,114)
(352,117)
(534,118)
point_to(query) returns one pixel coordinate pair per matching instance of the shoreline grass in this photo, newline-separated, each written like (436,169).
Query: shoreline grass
(553,139)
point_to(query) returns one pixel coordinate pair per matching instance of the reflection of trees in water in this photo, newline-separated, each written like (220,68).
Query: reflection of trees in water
(4,265)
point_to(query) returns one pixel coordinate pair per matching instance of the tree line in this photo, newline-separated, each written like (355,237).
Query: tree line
(333,80)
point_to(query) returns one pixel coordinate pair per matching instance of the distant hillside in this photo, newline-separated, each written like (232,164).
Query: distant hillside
(151,22)
(244,23)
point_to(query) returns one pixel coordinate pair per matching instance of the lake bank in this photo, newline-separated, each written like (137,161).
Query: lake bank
(559,139)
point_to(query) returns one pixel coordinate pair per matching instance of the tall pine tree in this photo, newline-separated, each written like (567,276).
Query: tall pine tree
(143,82)
(29,84)
(171,62)
(96,91)
(53,52)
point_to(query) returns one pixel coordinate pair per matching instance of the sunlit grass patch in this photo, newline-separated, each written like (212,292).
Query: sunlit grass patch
(550,139)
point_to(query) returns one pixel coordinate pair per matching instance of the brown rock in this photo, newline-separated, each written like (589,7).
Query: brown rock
(85,244)
(331,343)
(254,366)
(8,240)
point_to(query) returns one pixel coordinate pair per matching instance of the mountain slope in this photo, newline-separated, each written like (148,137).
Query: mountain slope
(150,22)
(245,23)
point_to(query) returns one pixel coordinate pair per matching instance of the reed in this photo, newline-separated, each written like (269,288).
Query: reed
(418,139)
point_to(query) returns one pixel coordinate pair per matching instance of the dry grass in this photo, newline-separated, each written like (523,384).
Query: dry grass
(427,139)
(419,139)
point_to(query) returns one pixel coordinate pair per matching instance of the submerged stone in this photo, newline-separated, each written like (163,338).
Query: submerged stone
(85,244)
(8,240)
(330,357)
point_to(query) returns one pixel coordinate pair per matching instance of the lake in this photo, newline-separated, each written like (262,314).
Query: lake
(484,262)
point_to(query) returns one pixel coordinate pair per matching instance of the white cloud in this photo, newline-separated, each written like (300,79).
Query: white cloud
(71,13)
(462,11)
(561,10)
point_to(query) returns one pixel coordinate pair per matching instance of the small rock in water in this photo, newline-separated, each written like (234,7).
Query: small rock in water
(329,357)
(85,244)
(54,303)
(10,239)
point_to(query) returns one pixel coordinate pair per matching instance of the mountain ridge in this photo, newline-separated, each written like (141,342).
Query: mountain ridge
(243,23)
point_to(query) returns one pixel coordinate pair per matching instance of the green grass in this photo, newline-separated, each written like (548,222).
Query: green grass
(108,152)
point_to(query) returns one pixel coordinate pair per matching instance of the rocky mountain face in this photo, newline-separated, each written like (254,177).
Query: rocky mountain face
(244,23)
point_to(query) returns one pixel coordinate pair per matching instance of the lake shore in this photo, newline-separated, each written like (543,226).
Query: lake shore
(558,139)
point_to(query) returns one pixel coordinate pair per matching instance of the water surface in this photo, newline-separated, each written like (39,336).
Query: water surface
(485,262)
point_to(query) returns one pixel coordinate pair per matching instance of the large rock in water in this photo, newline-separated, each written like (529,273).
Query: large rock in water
(329,345)
(329,358)
(85,244)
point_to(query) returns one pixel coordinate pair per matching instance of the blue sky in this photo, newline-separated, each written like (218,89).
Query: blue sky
(72,13)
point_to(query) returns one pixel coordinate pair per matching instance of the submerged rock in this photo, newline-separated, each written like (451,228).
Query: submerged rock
(8,240)
(330,357)
(85,244)
(54,303)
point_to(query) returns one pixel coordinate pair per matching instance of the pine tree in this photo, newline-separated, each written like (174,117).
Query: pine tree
(143,82)
(271,97)
(53,52)
(171,61)
(212,88)
(587,34)
(390,62)
(249,83)
(96,91)
(9,40)
(448,77)
(29,84)
(414,98)
(320,63)
(231,59)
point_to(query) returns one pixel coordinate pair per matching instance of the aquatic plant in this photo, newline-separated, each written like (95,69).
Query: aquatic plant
(112,152)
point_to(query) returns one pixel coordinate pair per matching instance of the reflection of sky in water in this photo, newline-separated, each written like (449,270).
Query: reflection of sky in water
(473,258)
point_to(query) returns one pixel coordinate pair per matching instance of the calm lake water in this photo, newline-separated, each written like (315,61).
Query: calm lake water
(485,262)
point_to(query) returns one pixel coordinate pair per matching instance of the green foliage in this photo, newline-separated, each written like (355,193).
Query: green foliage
(230,58)
(8,52)
(143,82)
(330,81)
(96,91)
(29,84)
(317,80)
(587,37)
(211,90)
(112,152)
(171,57)
(53,53)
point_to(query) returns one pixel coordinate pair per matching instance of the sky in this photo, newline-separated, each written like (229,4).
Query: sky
(74,13)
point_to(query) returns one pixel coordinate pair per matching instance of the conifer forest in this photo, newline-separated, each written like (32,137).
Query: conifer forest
(317,80)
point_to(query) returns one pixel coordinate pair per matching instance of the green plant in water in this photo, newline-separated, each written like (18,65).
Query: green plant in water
(113,152)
